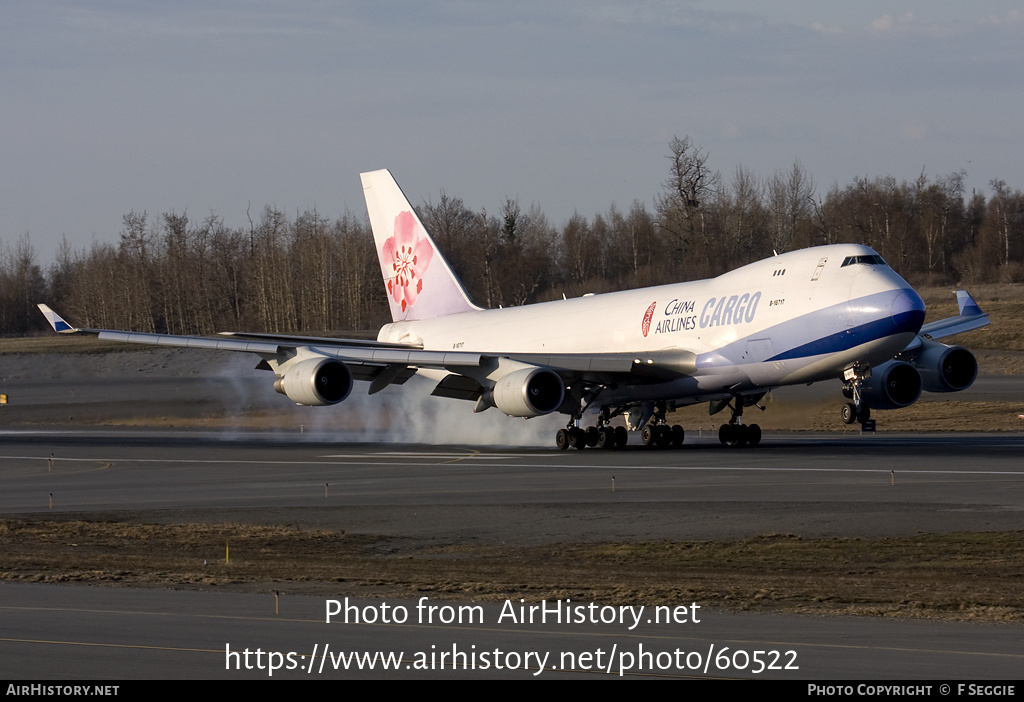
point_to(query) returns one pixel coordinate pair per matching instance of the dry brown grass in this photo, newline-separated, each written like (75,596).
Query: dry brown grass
(953,576)
(59,343)
(1004,304)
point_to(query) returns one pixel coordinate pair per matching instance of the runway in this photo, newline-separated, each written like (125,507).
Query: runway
(813,485)
(808,485)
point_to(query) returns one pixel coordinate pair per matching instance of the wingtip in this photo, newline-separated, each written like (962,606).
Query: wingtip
(56,321)
(968,307)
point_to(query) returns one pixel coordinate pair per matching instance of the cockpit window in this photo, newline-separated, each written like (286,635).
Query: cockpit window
(871,260)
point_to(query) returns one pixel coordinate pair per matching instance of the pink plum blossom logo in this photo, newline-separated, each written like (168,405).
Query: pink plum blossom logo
(645,326)
(409,254)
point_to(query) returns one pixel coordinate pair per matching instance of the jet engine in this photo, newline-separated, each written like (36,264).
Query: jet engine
(945,368)
(316,381)
(529,392)
(892,385)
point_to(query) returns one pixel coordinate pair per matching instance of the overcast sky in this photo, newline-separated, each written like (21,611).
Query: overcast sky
(213,105)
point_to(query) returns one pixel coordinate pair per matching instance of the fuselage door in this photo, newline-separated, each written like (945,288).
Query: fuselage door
(758,352)
(819,269)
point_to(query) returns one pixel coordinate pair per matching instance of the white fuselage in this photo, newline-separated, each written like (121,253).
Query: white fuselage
(794,318)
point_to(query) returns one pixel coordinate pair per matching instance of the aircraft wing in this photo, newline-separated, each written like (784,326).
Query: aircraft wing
(373,352)
(383,363)
(352,350)
(970,317)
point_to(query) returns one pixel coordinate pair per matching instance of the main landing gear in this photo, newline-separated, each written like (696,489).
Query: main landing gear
(656,431)
(600,437)
(736,433)
(739,435)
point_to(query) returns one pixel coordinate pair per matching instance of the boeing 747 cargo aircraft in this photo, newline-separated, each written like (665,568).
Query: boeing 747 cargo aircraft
(828,312)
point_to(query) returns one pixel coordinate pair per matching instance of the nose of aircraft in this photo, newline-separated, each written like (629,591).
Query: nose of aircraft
(908,311)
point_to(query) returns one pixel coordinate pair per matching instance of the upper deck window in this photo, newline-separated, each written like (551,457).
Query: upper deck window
(871,260)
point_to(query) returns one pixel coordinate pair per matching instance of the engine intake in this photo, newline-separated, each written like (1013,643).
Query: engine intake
(892,385)
(529,392)
(946,368)
(316,381)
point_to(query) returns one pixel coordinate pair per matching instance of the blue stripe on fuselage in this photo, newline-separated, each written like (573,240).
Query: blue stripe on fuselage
(848,338)
(794,336)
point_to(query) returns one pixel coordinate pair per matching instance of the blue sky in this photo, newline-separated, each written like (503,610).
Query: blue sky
(218,105)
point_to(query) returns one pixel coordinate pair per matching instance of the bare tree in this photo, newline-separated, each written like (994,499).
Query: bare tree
(743,216)
(689,185)
(135,273)
(790,205)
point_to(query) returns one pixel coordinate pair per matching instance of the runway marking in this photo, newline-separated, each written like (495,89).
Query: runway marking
(358,460)
(524,630)
(112,645)
(146,613)
(475,454)
(439,456)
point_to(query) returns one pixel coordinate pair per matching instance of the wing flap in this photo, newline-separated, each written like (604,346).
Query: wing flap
(458,387)
(411,357)
(582,363)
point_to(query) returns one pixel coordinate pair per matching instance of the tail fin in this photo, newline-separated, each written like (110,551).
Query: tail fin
(420,284)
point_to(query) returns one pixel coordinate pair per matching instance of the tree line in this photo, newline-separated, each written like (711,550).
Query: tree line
(171,273)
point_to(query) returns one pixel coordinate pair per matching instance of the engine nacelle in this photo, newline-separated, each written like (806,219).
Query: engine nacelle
(316,381)
(892,385)
(529,392)
(945,368)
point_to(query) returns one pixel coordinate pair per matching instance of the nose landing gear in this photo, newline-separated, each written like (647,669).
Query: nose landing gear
(857,410)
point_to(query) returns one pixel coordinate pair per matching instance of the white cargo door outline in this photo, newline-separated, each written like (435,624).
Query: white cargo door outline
(758,352)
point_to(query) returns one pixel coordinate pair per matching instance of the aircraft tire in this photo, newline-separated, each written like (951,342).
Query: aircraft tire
(740,435)
(865,414)
(662,436)
(678,434)
(577,438)
(732,435)
(753,434)
(647,435)
(725,435)
(606,438)
(562,439)
(593,436)
(621,437)
(848,413)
